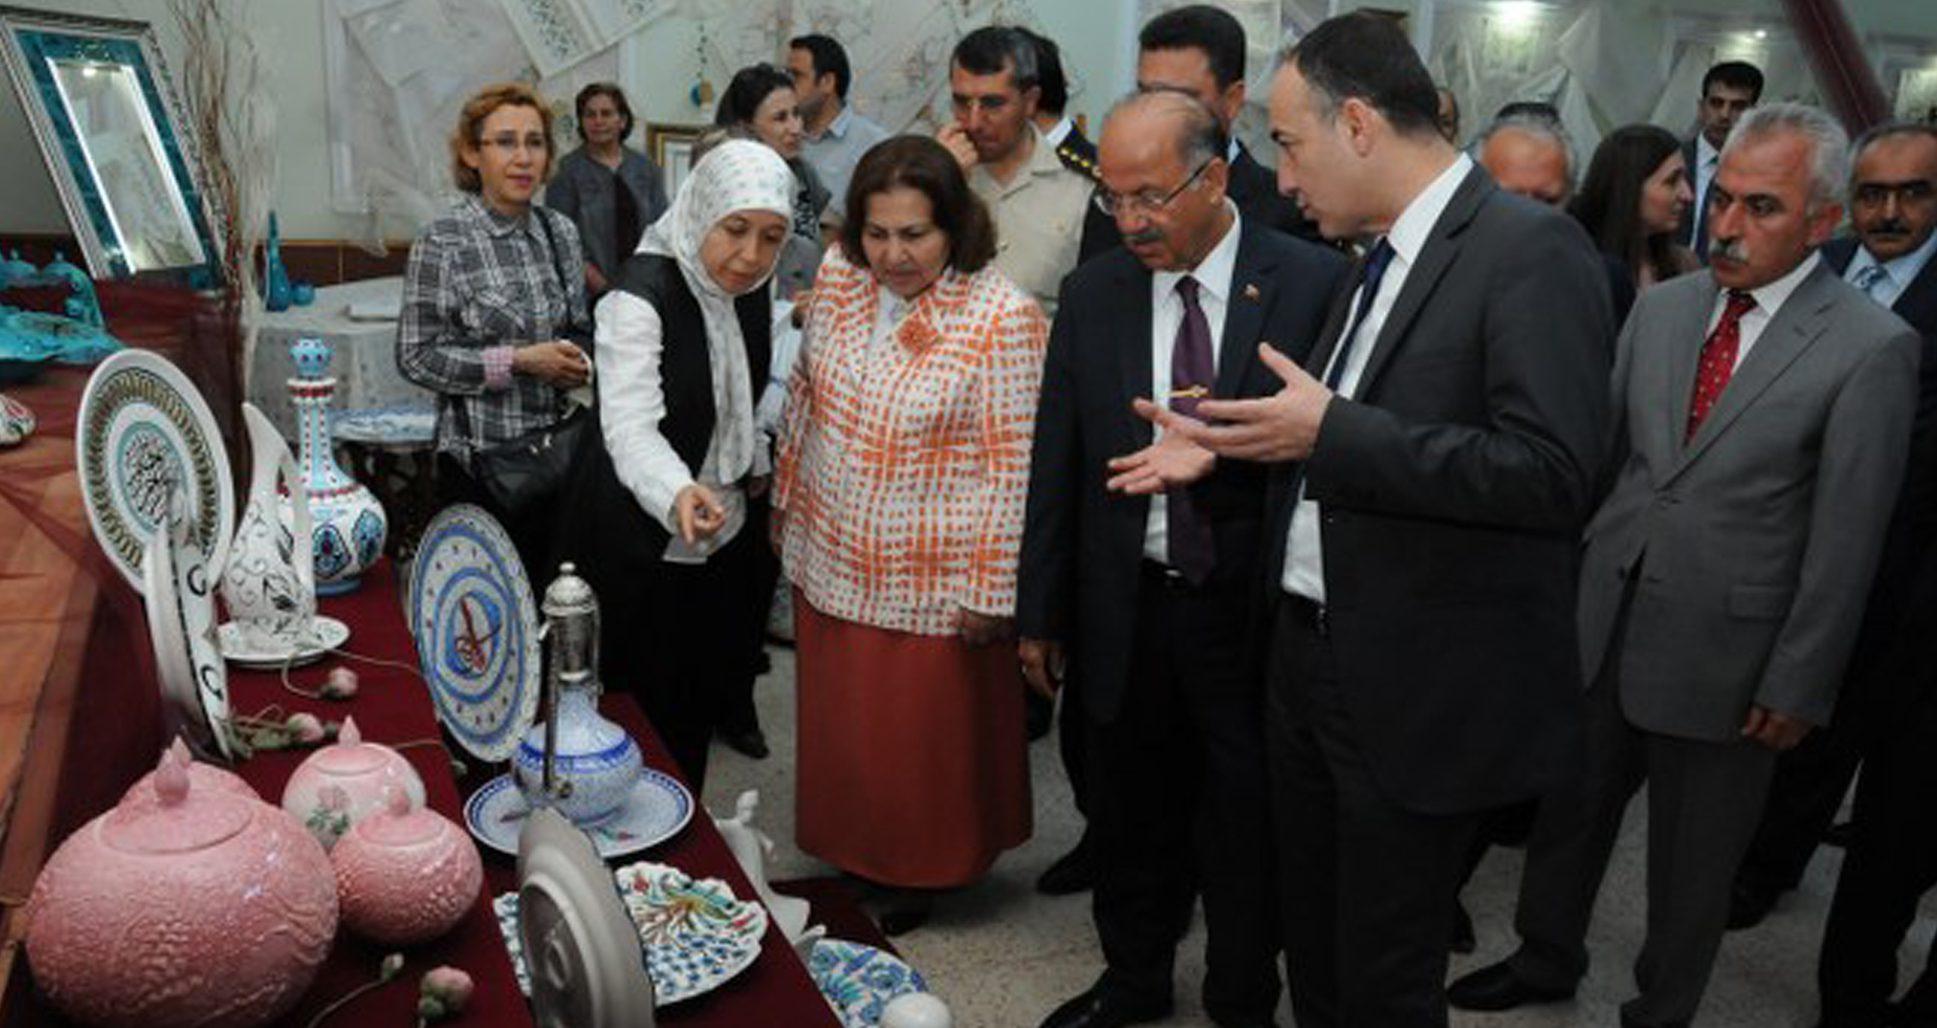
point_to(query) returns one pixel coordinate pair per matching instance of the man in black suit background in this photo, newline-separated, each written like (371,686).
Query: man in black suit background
(1728,90)
(1892,858)
(1200,50)
(1437,461)
(1155,594)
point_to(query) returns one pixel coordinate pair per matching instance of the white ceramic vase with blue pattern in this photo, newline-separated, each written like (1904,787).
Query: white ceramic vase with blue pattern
(350,525)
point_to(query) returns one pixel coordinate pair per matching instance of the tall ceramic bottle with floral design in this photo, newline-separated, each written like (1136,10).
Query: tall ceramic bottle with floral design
(276,290)
(350,525)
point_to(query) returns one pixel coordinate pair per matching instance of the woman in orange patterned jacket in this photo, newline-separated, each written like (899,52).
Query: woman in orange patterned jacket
(903,463)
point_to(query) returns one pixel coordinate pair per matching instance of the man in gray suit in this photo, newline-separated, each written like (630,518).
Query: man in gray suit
(1762,410)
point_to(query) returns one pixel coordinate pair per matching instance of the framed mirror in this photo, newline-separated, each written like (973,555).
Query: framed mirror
(113,133)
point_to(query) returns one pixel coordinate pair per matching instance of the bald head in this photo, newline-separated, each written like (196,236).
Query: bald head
(1531,160)
(1168,117)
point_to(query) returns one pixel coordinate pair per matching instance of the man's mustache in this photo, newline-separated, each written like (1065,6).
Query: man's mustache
(1153,234)
(1890,227)
(1729,249)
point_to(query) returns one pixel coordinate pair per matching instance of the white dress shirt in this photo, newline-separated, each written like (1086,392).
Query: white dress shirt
(1213,275)
(1707,158)
(1304,550)
(1768,300)
(1897,274)
(632,401)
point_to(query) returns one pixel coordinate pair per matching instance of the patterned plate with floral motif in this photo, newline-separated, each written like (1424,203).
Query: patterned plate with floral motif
(145,433)
(476,626)
(696,933)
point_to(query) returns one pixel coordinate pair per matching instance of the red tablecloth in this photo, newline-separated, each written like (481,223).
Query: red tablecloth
(392,706)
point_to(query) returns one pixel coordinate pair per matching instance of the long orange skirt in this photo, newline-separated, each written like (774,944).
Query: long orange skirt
(914,769)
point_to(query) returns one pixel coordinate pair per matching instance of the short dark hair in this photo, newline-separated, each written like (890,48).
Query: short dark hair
(828,59)
(994,49)
(1049,73)
(1539,110)
(921,163)
(1200,27)
(611,91)
(1890,130)
(1365,56)
(749,89)
(1736,74)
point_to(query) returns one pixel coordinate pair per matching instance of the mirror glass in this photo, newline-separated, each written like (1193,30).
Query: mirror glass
(124,151)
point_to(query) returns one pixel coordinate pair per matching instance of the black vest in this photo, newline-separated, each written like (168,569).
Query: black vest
(603,522)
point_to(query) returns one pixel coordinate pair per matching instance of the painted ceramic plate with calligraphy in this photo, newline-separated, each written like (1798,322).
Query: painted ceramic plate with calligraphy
(696,934)
(146,433)
(859,980)
(656,809)
(476,626)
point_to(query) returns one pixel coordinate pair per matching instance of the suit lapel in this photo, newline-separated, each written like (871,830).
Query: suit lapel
(1133,330)
(1442,247)
(1799,323)
(1250,296)
(1917,304)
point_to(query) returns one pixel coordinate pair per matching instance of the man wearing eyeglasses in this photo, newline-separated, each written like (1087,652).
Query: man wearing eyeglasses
(1038,203)
(1153,595)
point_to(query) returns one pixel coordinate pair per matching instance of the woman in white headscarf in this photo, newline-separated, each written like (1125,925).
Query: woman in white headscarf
(658,518)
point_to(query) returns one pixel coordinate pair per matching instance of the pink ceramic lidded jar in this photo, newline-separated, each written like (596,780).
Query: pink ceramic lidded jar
(192,906)
(342,783)
(405,876)
(201,776)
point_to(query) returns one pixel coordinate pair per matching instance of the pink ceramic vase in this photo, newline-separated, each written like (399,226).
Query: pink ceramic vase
(342,783)
(405,876)
(193,906)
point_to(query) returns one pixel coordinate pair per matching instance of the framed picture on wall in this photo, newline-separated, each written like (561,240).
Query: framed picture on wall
(671,147)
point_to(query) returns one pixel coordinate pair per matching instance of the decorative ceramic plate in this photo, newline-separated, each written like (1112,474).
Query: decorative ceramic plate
(386,426)
(859,981)
(16,421)
(144,433)
(325,634)
(655,811)
(697,934)
(476,625)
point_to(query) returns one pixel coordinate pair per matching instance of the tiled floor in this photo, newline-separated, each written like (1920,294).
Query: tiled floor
(1003,957)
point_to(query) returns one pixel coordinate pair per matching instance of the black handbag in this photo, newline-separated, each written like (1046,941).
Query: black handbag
(531,469)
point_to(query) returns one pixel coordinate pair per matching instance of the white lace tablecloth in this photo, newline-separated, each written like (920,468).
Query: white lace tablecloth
(369,388)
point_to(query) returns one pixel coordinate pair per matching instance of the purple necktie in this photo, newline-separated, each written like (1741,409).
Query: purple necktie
(1192,550)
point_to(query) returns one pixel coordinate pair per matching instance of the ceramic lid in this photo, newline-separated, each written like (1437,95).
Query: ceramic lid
(350,755)
(179,819)
(397,825)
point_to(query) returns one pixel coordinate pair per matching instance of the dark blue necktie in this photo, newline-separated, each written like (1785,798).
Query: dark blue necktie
(1373,272)
(1192,549)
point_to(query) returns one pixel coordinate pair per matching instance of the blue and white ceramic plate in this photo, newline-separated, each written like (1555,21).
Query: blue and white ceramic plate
(859,980)
(144,434)
(476,626)
(658,807)
(696,933)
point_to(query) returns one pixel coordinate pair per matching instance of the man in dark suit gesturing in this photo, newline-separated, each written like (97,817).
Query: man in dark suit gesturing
(1155,594)
(1423,666)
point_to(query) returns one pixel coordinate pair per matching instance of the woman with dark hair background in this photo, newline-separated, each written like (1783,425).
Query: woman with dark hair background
(1632,202)
(609,189)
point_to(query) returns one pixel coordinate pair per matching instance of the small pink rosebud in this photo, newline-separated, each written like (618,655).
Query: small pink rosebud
(307,728)
(340,685)
(449,986)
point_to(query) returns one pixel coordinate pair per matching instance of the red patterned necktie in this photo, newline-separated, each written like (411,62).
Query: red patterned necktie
(1718,359)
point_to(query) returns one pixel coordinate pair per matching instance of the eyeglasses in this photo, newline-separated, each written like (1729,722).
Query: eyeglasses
(510,143)
(1145,204)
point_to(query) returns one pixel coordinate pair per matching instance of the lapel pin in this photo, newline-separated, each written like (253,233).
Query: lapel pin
(1250,291)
